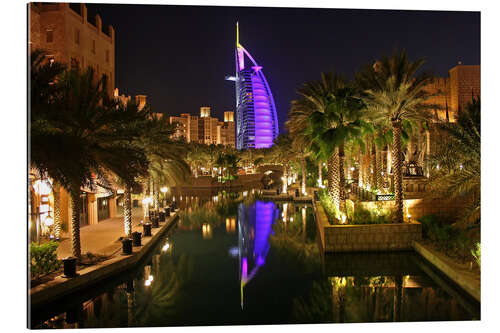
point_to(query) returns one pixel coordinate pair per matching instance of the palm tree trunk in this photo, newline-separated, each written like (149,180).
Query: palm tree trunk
(341,178)
(367,181)
(397,171)
(333,178)
(320,174)
(127,210)
(374,165)
(285,180)
(56,190)
(303,167)
(157,197)
(380,180)
(361,169)
(75,221)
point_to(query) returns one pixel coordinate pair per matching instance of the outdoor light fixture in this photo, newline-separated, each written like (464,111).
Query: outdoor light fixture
(352,168)
(147,283)
(48,221)
(164,189)
(166,247)
(120,191)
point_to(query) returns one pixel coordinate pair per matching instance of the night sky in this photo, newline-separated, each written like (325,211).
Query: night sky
(179,55)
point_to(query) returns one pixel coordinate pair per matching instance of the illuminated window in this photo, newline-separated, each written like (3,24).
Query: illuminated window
(50,36)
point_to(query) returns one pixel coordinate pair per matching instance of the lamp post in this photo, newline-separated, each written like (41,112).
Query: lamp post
(164,190)
(145,205)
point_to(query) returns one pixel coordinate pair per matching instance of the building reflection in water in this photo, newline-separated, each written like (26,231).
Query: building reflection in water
(254,228)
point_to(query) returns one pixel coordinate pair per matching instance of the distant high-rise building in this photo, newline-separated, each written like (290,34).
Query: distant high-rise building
(226,130)
(256,117)
(205,129)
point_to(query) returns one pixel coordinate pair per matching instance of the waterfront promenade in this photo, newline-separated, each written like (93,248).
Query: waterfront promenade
(101,238)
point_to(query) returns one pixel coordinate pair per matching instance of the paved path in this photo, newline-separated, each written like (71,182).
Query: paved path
(101,238)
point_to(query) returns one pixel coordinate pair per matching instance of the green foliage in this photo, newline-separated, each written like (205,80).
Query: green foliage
(228,162)
(366,216)
(354,216)
(476,253)
(331,211)
(43,259)
(446,237)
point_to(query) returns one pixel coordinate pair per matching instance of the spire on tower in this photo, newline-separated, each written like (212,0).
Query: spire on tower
(237,34)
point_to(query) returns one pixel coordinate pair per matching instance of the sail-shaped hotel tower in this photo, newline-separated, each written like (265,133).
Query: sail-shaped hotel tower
(256,118)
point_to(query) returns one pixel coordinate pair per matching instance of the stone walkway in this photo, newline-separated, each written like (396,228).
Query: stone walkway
(101,238)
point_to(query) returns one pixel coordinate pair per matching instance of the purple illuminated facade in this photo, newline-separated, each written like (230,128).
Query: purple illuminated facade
(256,117)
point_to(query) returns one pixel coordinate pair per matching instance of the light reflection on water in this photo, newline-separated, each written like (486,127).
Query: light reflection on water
(243,260)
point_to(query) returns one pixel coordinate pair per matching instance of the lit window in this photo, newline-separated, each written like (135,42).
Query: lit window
(50,36)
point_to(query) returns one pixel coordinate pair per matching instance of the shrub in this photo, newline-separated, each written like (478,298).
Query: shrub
(43,259)
(476,253)
(447,237)
(327,203)
(366,216)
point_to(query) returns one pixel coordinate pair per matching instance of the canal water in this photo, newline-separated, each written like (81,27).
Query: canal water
(238,259)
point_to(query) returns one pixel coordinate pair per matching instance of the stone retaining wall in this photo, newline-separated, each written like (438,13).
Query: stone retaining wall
(368,237)
(446,208)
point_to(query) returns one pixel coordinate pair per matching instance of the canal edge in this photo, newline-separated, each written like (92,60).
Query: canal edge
(473,289)
(60,286)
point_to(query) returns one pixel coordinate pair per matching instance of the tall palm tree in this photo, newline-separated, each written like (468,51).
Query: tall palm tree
(167,157)
(281,153)
(196,156)
(394,91)
(92,137)
(337,117)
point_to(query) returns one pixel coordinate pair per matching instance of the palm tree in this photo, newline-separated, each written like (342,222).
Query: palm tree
(167,157)
(457,161)
(335,117)
(393,92)
(92,138)
(196,157)
(280,153)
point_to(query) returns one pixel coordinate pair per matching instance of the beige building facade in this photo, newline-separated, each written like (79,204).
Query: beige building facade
(204,128)
(69,36)
(454,92)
